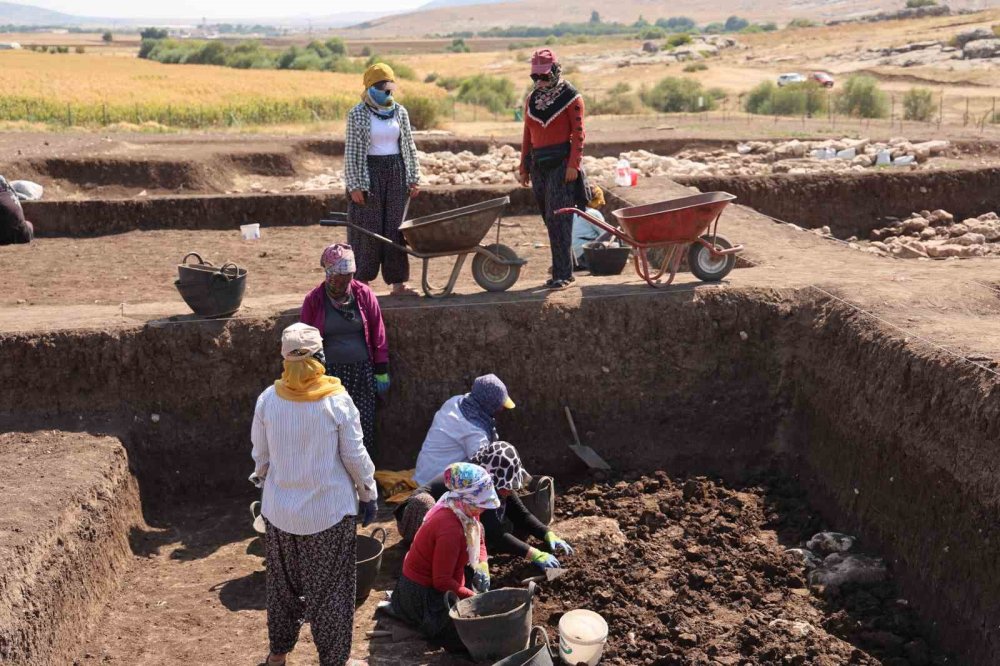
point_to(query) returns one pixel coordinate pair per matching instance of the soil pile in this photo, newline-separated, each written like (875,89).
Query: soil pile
(704,578)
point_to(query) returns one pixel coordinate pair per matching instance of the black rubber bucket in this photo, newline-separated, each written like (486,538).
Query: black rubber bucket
(606,260)
(538,652)
(540,498)
(210,291)
(495,624)
(369,558)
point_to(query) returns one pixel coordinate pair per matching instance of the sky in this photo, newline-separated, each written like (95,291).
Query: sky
(215,8)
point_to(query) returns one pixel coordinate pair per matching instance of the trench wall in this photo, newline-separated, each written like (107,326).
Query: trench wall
(99,217)
(852,204)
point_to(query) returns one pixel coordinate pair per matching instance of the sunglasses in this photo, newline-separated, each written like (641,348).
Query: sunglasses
(541,77)
(381,85)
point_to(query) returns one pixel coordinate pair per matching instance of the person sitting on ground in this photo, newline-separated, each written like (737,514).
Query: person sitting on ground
(14,229)
(461,427)
(449,539)
(311,462)
(354,342)
(502,524)
(584,232)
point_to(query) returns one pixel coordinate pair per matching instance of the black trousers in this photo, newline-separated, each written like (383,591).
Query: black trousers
(552,192)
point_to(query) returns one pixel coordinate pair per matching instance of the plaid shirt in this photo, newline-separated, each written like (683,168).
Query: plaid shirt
(358,141)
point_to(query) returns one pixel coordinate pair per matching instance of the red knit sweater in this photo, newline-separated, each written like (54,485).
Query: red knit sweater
(438,555)
(566,127)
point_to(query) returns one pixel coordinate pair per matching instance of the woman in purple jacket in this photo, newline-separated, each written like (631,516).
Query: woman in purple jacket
(347,314)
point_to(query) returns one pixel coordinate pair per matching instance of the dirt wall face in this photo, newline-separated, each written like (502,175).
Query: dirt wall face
(900,448)
(98,217)
(70,503)
(852,204)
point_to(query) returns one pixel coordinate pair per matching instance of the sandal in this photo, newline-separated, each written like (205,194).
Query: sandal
(267,661)
(556,285)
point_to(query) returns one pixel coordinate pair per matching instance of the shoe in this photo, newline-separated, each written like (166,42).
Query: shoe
(555,285)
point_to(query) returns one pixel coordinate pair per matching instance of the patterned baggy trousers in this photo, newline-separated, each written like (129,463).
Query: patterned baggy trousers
(312,579)
(381,214)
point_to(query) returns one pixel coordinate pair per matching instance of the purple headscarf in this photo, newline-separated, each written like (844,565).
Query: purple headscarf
(338,259)
(478,406)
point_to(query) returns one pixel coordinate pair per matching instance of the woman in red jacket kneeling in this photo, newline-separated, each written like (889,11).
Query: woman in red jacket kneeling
(450,539)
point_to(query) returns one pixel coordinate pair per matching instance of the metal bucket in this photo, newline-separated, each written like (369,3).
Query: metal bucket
(369,558)
(538,652)
(495,624)
(540,499)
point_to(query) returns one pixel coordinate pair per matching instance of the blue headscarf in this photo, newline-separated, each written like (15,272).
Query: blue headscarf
(487,396)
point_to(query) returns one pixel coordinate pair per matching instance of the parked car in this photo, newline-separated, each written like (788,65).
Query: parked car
(822,78)
(790,77)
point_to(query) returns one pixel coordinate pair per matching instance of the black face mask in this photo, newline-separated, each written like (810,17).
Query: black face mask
(321,357)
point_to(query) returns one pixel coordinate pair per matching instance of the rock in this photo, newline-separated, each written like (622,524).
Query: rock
(909,249)
(914,225)
(795,629)
(840,569)
(958,229)
(935,148)
(806,556)
(928,233)
(862,160)
(790,149)
(963,38)
(687,640)
(830,542)
(981,48)
(650,47)
(939,217)
(988,216)
(970,239)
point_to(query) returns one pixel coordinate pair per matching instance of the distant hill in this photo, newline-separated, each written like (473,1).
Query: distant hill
(11,13)
(459,16)
(436,4)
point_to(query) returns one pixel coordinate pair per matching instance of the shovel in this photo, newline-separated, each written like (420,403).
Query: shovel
(585,453)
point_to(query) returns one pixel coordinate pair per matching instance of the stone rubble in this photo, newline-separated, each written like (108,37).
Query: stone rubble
(936,235)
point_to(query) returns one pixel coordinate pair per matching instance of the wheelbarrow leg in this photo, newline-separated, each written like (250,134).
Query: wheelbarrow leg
(430,290)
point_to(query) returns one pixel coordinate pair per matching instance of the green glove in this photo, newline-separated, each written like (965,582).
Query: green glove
(542,559)
(556,544)
(382,383)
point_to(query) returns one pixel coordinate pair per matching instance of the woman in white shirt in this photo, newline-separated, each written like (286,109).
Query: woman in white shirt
(381,171)
(310,458)
(462,425)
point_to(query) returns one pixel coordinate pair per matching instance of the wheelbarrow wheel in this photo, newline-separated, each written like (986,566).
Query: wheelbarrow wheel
(492,275)
(707,267)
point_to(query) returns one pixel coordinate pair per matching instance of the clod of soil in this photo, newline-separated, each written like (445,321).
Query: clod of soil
(701,577)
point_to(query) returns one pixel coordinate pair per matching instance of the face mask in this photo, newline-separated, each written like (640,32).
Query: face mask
(380,97)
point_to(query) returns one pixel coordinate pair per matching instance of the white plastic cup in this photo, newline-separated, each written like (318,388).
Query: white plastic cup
(582,636)
(250,231)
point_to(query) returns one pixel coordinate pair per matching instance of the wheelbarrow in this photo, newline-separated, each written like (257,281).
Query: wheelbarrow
(455,233)
(677,226)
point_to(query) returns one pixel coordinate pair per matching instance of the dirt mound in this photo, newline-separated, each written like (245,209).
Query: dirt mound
(704,579)
(154,174)
(262,164)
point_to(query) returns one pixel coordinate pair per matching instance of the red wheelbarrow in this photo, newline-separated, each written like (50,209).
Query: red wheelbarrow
(676,226)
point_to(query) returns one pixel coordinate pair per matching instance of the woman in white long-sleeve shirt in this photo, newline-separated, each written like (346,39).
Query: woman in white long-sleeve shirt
(462,425)
(309,455)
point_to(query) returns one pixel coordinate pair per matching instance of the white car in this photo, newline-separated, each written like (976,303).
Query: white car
(790,77)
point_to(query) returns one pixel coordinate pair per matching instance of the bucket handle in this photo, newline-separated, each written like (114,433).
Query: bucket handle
(195,254)
(544,483)
(535,632)
(451,601)
(229,270)
(532,589)
(379,529)
(255,509)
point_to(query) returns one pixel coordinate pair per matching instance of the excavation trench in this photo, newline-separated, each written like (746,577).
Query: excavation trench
(770,394)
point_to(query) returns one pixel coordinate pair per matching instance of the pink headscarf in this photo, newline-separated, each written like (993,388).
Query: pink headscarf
(338,259)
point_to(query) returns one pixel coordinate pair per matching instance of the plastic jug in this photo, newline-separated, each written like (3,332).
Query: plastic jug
(623,173)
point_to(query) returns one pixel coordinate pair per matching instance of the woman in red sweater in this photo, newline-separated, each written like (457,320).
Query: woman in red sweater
(551,151)
(450,539)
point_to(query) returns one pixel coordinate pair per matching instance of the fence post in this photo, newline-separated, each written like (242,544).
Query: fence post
(940,109)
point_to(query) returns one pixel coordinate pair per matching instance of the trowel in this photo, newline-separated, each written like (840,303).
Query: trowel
(585,453)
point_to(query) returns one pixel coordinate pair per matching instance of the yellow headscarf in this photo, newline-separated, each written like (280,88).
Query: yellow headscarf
(306,381)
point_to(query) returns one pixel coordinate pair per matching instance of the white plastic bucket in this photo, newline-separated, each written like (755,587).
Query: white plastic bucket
(582,635)
(623,173)
(250,231)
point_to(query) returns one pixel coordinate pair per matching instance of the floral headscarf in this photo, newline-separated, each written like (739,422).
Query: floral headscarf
(469,487)
(338,259)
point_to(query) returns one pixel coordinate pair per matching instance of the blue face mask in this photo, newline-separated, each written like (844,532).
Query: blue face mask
(380,97)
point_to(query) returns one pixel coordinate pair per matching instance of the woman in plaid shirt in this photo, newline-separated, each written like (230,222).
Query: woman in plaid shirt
(382,172)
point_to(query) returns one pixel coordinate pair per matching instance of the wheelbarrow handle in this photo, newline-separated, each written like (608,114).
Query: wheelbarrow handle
(600,224)
(334,223)
(342,222)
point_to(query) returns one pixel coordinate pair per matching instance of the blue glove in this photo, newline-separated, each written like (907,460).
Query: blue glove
(543,559)
(368,511)
(382,383)
(481,577)
(556,543)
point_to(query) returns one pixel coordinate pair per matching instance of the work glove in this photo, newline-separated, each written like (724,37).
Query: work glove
(368,511)
(542,559)
(556,544)
(382,383)
(481,577)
